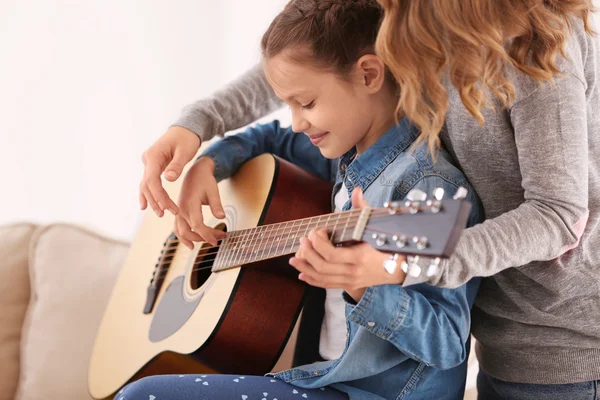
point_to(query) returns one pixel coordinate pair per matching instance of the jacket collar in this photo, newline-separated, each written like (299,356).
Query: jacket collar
(364,169)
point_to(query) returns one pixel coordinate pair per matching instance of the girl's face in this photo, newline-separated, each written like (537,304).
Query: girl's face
(336,113)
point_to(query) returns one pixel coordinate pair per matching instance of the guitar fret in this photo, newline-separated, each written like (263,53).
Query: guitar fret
(332,237)
(248,253)
(287,236)
(258,244)
(231,250)
(238,246)
(318,222)
(342,237)
(305,234)
(216,263)
(223,252)
(245,244)
(327,224)
(253,246)
(279,237)
(292,238)
(264,234)
(223,264)
(264,239)
(272,241)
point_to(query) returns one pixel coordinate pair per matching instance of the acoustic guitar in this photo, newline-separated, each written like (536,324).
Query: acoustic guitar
(232,308)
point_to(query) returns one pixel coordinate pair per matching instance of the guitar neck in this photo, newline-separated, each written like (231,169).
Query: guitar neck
(269,241)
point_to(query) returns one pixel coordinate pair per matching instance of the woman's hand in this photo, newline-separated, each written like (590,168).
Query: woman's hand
(169,154)
(199,188)
(353,269)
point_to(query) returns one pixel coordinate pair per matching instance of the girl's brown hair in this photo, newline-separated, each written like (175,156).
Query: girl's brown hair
(473,43)
(334,34)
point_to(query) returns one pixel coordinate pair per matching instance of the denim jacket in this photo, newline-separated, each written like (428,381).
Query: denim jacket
(401,342)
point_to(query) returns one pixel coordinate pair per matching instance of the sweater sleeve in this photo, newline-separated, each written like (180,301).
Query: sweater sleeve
(551,135)
(240,103)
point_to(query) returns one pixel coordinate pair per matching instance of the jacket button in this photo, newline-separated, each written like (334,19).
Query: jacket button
(371,324)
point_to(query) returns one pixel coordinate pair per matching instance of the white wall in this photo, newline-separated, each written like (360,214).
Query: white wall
(86,86)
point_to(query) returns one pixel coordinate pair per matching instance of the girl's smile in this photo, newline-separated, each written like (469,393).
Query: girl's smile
(316,139)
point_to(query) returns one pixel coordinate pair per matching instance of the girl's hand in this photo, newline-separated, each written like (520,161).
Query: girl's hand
(353,269)
(199,188)
(169,154)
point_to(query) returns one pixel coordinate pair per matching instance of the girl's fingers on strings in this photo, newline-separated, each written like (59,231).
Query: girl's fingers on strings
(341,255)
(187,236)
(182,240)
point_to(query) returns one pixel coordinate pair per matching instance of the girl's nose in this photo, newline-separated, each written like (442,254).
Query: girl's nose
(299,124)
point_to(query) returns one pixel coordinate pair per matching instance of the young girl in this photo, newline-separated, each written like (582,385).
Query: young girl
(390,342)
(532,158)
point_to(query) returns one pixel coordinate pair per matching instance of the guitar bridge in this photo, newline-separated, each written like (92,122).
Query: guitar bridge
(160,271)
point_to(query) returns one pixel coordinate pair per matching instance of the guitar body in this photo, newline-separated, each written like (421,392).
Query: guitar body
(233,321)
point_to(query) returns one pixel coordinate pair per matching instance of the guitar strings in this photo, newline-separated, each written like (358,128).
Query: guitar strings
(235,266)
(278,232)
(273,230)
(253,231)
(254,248)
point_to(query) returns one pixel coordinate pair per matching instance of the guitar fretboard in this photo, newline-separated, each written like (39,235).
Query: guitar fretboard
(269,241)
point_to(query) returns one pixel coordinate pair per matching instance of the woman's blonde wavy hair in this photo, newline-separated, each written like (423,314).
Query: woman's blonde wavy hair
(474,43)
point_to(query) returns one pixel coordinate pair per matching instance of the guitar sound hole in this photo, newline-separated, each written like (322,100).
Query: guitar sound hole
(204,262)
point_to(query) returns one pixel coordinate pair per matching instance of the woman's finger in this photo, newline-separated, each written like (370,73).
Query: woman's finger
(152,202)
(142,198)
(158,192)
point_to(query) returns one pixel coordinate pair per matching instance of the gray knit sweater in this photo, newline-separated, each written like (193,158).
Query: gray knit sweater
(536,167)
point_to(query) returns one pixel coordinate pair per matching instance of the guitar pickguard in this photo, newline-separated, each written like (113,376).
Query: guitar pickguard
(172,312)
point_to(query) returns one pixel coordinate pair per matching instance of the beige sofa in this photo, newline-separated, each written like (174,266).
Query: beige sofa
(55,281)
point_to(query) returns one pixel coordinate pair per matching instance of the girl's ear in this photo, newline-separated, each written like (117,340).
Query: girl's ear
(371,71)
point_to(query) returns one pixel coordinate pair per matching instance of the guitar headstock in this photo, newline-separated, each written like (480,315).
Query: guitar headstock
(418,227)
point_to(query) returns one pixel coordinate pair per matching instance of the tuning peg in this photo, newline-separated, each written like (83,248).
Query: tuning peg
(380,239)
(404,266)
(421,242)
(414,269)
(393,207)
(461,193)
(400,241)
(438,194)
(436,205)
(433,268)
(391,264)
(416,195)
(413,206)
(411,266)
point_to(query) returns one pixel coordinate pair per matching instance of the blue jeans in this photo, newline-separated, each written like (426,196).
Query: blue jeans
(221,387)
(489,388)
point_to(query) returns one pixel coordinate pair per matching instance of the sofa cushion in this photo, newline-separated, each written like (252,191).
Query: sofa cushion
(72,273)
(14,298)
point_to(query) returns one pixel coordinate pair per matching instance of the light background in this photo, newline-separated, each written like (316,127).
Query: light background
(87,86)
